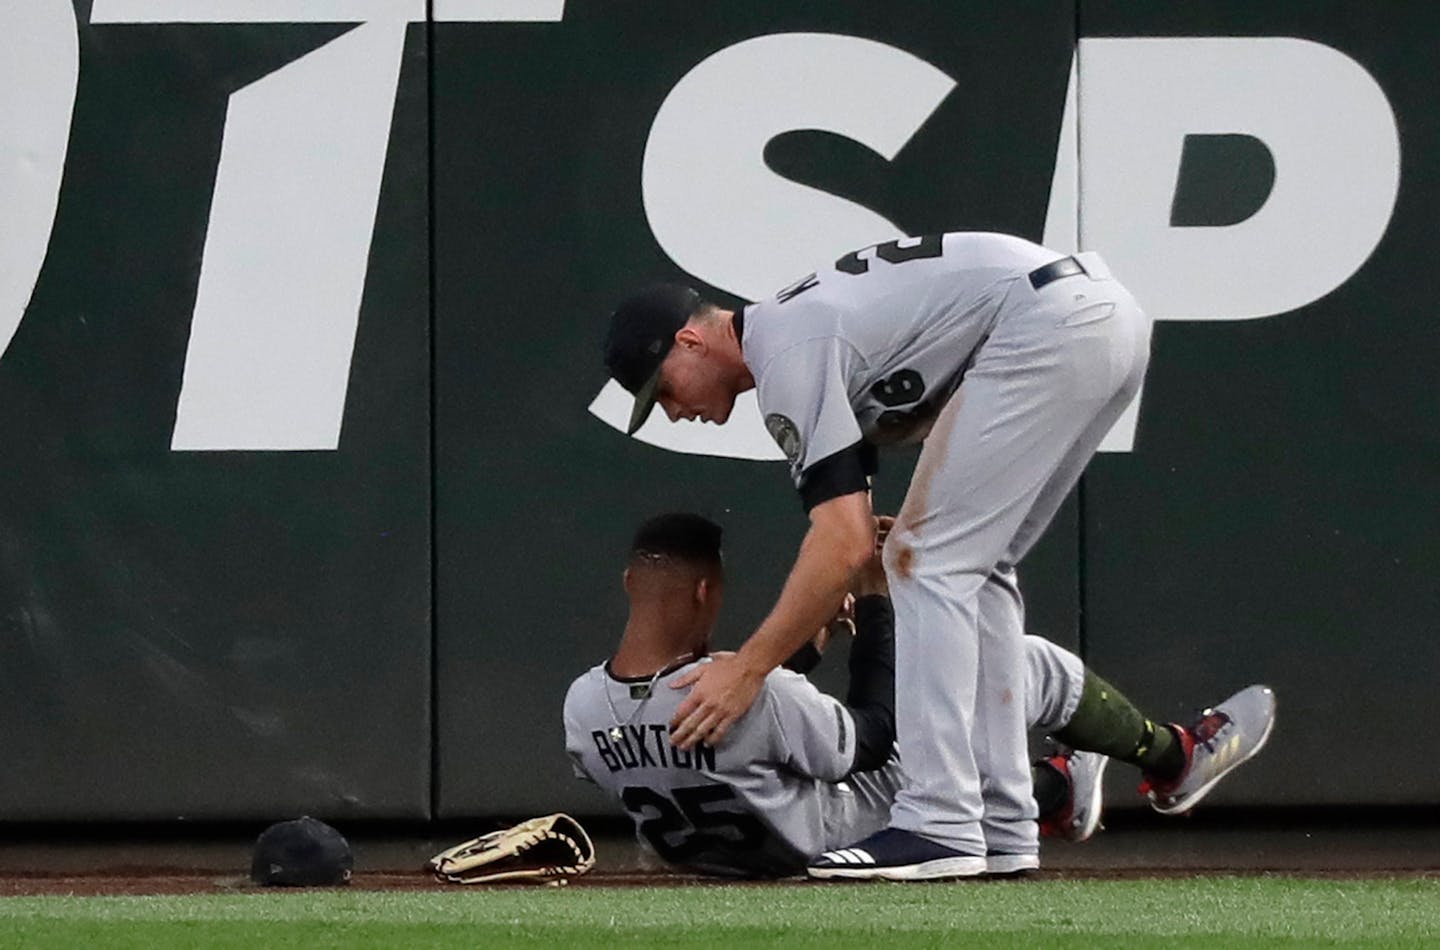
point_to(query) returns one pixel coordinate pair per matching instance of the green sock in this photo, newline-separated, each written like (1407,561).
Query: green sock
(1108,723)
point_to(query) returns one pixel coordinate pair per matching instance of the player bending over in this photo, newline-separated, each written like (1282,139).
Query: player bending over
(803,773)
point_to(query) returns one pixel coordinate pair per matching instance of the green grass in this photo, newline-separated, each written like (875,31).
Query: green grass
(1208,912)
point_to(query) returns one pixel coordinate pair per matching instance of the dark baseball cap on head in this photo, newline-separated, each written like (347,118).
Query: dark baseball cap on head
(305,852)
(642,331)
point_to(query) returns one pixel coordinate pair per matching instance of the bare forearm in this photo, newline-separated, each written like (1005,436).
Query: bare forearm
(813,592)
(841,538)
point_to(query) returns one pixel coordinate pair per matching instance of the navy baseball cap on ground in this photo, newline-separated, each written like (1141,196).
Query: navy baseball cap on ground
(642,331)
(305,852)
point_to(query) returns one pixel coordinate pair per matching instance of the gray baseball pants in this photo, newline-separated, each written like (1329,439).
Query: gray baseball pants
(860,806)
(1059,367)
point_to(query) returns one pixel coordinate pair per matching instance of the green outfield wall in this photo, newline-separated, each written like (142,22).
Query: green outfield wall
(312,496)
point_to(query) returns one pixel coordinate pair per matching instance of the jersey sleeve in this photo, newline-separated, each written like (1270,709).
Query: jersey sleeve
(575,736)
(806,405)
(815,732)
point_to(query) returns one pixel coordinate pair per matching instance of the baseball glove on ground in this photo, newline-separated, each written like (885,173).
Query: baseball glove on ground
(541,849)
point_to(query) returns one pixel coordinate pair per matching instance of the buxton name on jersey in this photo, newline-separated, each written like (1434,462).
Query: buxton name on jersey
(758,805)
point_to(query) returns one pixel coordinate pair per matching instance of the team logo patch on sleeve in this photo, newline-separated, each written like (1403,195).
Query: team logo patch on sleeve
(785,434)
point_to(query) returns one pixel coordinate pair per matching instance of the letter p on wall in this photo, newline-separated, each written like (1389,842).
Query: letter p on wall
(1325,121)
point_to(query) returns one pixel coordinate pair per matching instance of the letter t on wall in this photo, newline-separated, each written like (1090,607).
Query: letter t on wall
(287,249)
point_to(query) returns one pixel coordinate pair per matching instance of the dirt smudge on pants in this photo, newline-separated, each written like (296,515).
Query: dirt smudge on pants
(915,510)
(905,561)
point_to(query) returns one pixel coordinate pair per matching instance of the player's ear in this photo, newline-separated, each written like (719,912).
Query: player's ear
(689,337)
(702,591)
(626,581)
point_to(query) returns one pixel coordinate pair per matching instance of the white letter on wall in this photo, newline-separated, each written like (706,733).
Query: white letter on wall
(721,214)
(287,249)
(1324,119)
(39,67)
(292,217)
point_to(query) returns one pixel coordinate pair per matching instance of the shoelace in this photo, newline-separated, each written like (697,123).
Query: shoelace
(1208,726)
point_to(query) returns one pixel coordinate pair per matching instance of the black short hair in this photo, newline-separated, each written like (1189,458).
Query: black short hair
(680,536)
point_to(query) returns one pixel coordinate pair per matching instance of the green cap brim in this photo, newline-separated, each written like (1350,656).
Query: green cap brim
(644,402)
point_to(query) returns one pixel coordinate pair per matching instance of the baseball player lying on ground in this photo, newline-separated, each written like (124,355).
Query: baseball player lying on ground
(802,773)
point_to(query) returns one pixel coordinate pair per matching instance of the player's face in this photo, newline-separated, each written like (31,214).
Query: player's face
(694,386)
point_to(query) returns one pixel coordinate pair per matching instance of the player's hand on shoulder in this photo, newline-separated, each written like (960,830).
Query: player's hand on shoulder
(723,690)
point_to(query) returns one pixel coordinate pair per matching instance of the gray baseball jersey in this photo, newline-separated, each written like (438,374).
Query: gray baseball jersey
(1011,362)
(837,358)
(756,806)
(771,796)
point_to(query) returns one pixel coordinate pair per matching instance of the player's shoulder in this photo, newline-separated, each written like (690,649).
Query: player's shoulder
(781,678)
(786,686)
(776,323)
(789,343)
(584,685)
(674,673)
(778,680)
